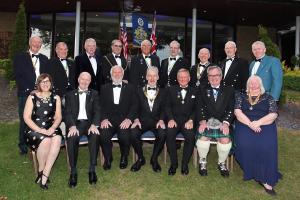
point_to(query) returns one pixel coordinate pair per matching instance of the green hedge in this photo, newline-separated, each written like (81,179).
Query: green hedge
(291,80)
(6,65)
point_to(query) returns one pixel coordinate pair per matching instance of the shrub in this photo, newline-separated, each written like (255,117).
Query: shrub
(291,80)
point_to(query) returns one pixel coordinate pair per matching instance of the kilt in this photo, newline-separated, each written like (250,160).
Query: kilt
(213,133)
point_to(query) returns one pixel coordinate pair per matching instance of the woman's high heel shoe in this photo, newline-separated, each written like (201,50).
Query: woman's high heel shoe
(39,177)
(45,186)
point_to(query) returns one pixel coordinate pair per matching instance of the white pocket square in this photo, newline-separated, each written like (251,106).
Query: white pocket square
(193,96)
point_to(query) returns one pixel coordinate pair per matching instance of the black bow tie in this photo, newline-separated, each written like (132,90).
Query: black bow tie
(117,56)
(200,65)
(147,57)
(118,85)
(173,59)
(62,59)
(183,88)
(217,89)
(229,59)
(81,91)
(35,55)
(258,60)
(91,56)
(151,88)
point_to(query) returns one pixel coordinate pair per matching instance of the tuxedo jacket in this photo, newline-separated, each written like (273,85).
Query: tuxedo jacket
(61,82)
(138,69)
(270,72)
(144,113)
(221,109)
(24,72)
(83,64)
(203,78)
(91,105)
(126,107)
(108,61)
(237,75)
(181,110)
(171,79)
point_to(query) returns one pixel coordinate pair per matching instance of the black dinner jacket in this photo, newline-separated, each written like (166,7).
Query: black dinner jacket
(143,110)
(164,78)
(91,105)
(24,73)
(108,61)
(138,69)
(83,64)
(237,74)
(203,78)
(61,83)
(127,104)
(181,113)
(222,109)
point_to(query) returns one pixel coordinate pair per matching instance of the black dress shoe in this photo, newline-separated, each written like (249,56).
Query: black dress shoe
(156,167)
(138,164)
(223,169)
(73,180)
(107,165)
(123,162)
(185,170)
(92,178)
(269,191)
(172,171)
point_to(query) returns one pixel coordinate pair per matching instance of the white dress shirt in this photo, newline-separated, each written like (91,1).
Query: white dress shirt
(117,93)
(148,60)
(93,63)
(82,111)
(227,66)
(36,65)
(118,60)
(171,64)
(151,96)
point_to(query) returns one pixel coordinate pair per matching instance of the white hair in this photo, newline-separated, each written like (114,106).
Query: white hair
(262,89)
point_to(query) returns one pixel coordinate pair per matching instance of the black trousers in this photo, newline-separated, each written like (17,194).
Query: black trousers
(189,143)
(106,143)
(73,145)
(21,105)
(135,139)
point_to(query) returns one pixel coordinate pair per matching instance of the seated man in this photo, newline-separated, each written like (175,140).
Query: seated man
(82,117)
(118,101)
(215,114)
(150,117)
(180,112)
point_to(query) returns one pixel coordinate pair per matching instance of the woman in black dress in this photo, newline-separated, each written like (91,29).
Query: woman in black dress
(42,115)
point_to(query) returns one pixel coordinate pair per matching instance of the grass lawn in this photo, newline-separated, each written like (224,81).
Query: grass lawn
(17,177)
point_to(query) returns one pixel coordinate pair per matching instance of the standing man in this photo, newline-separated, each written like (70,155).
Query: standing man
(82,117)
(268,68)
(118,101)
(140,64)
(180,112)
(198,71)
(62,71)
(235,70)
(151,102)
(112,59)
(90,62)
(171,65)
(27,67)
(215,115)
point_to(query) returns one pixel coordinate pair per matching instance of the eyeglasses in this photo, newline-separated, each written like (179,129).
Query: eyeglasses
(45,82)
(120,46)
(215,75)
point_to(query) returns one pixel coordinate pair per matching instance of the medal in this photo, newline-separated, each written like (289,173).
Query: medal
(250,108)
(182,102)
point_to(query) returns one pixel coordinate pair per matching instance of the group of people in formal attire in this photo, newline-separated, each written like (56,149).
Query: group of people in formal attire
(232,102)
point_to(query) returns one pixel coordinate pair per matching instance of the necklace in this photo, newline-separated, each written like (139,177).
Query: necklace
(252,102)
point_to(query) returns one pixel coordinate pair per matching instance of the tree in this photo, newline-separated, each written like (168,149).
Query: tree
(19,39)
(272,48)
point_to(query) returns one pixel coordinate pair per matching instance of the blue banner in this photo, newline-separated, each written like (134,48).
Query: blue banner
(139,28)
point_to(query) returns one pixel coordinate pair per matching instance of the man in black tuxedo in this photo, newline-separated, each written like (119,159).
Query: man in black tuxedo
(90,62)
(140,63)
(27,67)
(235,70)
(118,101)
(82,116)
(62,71)
(170,66)
(215,116)
(151,102)
(198,71)
(112,59)
(180,112)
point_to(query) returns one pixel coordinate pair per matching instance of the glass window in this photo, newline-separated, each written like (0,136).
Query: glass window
(65,30)
(41,25)
(223,34)
(103,27)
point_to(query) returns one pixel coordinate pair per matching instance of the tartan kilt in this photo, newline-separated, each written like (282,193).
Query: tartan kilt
(214,133)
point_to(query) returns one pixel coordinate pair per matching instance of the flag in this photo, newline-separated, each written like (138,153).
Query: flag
(153,36)
(123,38)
